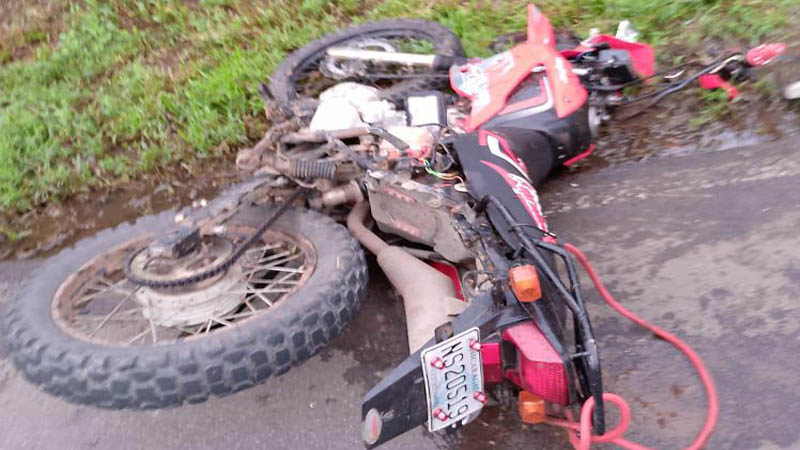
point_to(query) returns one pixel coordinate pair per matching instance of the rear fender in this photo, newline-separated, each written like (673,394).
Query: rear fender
(398,403)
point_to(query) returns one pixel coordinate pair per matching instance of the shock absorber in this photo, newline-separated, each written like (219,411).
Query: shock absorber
(302,168)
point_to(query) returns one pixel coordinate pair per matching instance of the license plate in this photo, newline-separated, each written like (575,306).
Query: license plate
(453,374)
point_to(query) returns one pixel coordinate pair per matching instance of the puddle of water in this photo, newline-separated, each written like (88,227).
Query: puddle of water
(667,129)
(57,226)
(377,335)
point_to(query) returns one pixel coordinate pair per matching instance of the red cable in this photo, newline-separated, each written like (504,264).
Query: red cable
(580,432)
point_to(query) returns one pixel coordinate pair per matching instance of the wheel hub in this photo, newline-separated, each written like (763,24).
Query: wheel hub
(182,309)
(194,304)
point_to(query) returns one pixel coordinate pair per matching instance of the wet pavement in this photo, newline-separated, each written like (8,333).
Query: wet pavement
(706,245)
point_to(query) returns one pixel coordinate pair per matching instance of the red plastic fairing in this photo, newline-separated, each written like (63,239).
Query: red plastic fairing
(765,53)
(488,83)
(643,58)
(539,29)
(492,365)
(568,93)
(539,369)
(452,272)
(714,81)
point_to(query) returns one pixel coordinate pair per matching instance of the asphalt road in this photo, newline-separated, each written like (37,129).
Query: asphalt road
(705,245)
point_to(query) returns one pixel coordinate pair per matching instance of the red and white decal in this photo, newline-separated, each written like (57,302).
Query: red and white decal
(498,146)
(472,80)
(525,193)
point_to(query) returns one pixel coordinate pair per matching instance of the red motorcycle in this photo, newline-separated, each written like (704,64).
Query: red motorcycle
(258,280)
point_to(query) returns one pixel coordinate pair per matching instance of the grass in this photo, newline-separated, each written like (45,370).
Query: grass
(97,92)
(714,105)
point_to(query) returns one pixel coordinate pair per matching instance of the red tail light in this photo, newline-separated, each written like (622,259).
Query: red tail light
(539,369)
(492,363)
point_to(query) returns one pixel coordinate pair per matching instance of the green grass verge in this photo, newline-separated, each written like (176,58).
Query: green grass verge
(131,87)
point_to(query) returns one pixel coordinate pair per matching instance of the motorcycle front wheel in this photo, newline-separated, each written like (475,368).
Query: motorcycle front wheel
(306,72)
(83,332)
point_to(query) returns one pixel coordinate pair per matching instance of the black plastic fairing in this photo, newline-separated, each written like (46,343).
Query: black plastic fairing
(529,109)
(490,169)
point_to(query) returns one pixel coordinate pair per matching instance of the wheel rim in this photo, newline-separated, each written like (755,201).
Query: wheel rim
(97,304)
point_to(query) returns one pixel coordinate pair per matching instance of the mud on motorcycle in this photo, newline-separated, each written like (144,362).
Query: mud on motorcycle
(365,131)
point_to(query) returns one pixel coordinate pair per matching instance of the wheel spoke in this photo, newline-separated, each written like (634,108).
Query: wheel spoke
(221,321)
(251,290)
(273,257)
(264,299)
(287,269)
(106,307)
(138,336)
(264,248)
(275,264)
(106,289)
(283,279)
(271,282)
(113,319)
(184,330)
(113,311)
(239,315)
(104,280)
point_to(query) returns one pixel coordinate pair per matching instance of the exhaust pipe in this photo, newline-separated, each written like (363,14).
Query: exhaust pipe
(428,295)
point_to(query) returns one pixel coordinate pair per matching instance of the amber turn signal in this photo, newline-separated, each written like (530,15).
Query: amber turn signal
(531,408)
(524,282)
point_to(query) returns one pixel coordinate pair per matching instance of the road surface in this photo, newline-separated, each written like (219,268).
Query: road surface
(706,245)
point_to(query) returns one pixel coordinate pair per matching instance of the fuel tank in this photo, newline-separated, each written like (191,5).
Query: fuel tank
(536,133)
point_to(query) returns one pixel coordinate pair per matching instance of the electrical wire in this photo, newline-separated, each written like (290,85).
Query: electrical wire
(580,432)
(451,176)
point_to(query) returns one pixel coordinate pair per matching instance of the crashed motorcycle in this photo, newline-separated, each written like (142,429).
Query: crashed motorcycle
(437,183)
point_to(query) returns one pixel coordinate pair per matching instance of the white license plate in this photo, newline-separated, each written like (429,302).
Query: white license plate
(452,389)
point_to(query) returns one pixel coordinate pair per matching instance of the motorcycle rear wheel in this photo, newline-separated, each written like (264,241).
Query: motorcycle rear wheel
(73,346)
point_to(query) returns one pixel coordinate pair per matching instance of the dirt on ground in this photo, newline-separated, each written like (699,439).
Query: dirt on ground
(703,245)
(26,24)
(681,123)
(49,229)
